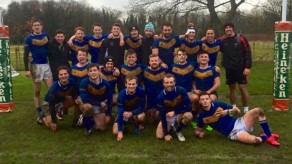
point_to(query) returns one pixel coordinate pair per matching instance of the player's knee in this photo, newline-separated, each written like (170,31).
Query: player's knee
(232,87)
(115,129)
(151,113)
(37,93)
(101,127)
(86,109)
(114,102)
(69,102)
(159,131)
(159,136)
(260,112)
(141,117)
(192,97)
(213,97)
(242,87)
(196,98)
(187,117)
(115,132)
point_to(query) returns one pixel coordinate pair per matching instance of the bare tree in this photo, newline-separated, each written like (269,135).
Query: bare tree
(218,9)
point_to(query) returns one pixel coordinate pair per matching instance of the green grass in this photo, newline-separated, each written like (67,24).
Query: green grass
(262,51)
(23,141)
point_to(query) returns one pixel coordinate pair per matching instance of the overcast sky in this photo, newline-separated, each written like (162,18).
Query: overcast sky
(115,4)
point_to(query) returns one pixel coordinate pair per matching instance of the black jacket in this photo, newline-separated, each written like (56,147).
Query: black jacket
(236,52)
(58,56)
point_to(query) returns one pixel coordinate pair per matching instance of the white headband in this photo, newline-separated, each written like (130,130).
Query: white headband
(190,30)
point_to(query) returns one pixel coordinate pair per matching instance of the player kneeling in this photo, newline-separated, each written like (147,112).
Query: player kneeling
(62,94)
(131,106)
(174,108)
(96,95)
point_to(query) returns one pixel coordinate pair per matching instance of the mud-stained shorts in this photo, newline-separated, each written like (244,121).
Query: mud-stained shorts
(40,72)
(46,107)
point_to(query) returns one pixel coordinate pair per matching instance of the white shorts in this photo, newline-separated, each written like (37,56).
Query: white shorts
(97,110)
(40,72)
(239,126)
(58,106)
(171,121)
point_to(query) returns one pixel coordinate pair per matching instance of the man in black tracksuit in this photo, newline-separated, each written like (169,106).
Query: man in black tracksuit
(58,53)
(237,63)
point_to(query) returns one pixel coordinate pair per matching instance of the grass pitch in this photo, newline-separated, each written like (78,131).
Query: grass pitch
(23,141)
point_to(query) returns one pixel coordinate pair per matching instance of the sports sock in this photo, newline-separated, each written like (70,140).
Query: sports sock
(39,110)
(263,137)
(180,127)
(245,109)
(195,114)
(88,122)
(265,127)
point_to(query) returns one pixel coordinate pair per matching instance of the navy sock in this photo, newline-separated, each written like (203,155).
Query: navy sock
(265,127)
(180,127)
(91,122)
(39,110)
(263,137)
(194,116)
(87,122)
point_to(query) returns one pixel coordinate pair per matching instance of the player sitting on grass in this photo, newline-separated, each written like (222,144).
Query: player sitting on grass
(216,114)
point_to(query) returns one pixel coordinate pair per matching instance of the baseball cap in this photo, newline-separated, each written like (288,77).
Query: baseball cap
(133,28)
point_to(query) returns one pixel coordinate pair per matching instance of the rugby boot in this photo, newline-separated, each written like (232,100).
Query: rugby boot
(180,136)
(88,132)
(275,136)
(271,140)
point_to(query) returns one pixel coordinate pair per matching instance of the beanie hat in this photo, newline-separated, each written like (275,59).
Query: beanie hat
(149,26)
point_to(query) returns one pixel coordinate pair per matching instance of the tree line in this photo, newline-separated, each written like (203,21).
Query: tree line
(68,14)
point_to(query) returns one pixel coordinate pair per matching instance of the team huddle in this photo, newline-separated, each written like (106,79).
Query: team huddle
(166,79)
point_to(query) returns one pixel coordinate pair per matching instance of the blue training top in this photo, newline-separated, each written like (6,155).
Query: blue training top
(224,125)
(166,48)
(38,46)
(192,49)
(76,47)
(95,94)
(94,46)
(204,78)
(183,74)
(131,103)
(212,50)
(176,100)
